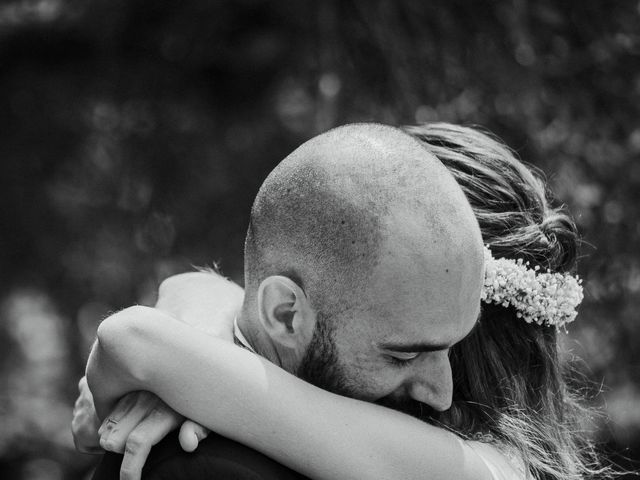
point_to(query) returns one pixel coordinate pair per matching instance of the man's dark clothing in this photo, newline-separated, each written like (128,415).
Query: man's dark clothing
(216,458)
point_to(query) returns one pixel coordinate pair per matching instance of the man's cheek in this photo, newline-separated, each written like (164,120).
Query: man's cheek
(374,381)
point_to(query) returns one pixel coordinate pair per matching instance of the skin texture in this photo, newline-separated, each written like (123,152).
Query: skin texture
(399,281)
(382,244)
(85,423)
(412,309)
(153,426)
(204,300)
(277,412)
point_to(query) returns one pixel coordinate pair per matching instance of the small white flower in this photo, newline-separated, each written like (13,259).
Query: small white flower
(542,297)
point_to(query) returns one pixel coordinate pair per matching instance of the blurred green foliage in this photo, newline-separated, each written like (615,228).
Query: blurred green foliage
(134,135)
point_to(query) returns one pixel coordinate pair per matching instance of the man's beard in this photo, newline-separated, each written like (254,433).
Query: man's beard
(320,367)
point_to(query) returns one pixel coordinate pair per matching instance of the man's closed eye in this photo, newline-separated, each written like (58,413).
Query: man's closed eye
(402,358)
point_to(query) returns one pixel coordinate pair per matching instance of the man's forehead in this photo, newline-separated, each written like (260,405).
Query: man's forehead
(422,292)
(433,277)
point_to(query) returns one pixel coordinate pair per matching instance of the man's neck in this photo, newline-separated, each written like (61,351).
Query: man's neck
(259,341)
(256,338)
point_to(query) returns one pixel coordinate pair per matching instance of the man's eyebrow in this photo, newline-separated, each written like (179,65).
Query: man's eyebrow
(423,346)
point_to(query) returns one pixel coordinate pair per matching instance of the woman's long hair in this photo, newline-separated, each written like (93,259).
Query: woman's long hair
(509,386)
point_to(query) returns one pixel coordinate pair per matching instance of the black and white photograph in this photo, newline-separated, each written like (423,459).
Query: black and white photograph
(326,240)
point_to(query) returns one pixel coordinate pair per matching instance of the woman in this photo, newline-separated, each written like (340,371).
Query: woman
(508,381)
(509,391)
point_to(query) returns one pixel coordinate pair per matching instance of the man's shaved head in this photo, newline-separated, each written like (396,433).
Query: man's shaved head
(323,217)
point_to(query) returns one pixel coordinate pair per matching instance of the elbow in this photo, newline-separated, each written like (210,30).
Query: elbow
(109,332)
(115,331)
(121,340)
(114,367)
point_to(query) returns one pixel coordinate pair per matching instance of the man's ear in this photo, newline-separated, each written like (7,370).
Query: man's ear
(285,312)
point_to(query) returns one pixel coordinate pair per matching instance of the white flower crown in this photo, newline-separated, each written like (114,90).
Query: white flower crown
(542,297)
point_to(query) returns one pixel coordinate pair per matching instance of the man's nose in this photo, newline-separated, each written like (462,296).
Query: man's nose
(432,384)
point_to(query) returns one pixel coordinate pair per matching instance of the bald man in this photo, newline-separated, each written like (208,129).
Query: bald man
(363,266)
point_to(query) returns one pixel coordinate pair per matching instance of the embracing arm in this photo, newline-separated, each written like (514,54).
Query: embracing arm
(204,300)
(246,398)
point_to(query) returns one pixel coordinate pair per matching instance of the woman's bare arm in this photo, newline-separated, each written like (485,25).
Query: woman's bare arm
(319,434)
(205,300)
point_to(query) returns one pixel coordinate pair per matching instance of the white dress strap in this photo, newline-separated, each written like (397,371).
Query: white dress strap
(237,333)
(501,465)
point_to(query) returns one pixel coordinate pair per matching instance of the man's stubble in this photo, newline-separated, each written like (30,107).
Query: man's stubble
(321,367)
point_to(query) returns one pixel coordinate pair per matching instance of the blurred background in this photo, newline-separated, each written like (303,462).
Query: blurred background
(134,135)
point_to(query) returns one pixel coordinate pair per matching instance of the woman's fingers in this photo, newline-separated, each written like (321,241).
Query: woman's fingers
(85,423)
(191,434)
(139,421)
(129,411)
(84,428)
(121,409)
(153,428)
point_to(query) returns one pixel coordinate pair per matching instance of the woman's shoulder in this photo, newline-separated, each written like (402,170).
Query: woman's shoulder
(503,463)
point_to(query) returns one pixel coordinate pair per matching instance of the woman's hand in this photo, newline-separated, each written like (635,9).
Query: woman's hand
(138,422)
(204,300)
(191,434)
(85,423)
(207,302)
